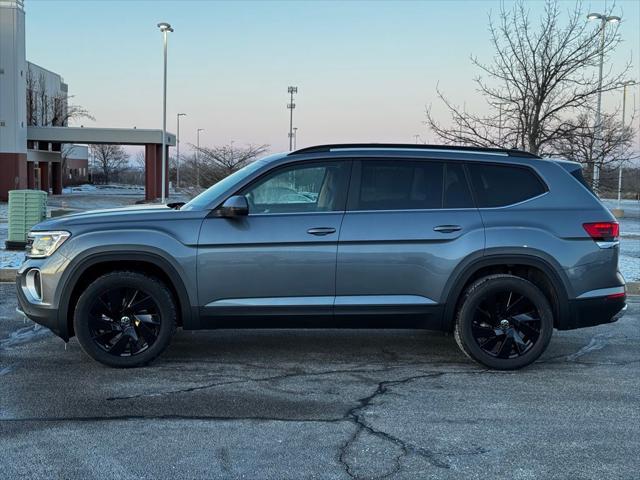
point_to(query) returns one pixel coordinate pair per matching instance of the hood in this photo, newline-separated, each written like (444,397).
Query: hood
(134,213)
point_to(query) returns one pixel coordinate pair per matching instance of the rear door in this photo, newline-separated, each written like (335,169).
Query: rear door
(408,224)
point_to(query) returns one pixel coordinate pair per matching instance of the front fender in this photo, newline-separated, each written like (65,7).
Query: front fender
(177,260)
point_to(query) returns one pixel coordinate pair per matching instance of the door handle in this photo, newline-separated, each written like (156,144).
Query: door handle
(447,228)
(321,231)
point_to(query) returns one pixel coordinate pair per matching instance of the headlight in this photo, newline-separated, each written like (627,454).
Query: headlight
(43,244)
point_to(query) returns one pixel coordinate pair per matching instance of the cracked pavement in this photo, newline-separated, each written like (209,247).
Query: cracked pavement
(290,404)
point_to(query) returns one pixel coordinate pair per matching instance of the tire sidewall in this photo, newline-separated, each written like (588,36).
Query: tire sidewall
(145,284)
(478,294)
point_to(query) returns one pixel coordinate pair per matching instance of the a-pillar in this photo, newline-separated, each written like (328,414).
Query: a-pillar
(31,175)
(56,178)
(44,176)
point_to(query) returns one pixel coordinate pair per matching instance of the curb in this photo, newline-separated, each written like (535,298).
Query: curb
(8,275)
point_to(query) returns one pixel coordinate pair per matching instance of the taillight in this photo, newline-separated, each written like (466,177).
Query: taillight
(603,231)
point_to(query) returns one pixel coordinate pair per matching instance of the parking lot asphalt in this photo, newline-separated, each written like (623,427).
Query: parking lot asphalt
(293,404)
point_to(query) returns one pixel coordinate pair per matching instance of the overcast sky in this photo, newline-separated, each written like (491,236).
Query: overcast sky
(364,70)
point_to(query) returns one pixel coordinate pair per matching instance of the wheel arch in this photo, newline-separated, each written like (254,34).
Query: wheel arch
(85,270)
(550,280)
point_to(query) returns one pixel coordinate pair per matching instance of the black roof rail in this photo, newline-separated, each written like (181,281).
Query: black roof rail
(414,146)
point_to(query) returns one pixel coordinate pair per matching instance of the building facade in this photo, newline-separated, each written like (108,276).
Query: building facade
(34,130)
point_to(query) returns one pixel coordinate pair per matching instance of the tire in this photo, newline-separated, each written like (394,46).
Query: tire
(504,322)
(125,319)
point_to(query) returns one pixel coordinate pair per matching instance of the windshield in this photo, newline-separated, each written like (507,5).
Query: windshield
(215,190)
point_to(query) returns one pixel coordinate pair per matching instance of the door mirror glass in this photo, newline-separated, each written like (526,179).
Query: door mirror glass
(236,206)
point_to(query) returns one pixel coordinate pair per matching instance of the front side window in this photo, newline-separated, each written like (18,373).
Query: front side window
(399,185)
(501,185)
(308,187)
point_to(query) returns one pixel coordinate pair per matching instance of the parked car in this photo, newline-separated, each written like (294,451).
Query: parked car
(498,247)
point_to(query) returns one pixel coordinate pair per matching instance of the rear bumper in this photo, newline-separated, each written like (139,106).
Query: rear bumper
(589,312)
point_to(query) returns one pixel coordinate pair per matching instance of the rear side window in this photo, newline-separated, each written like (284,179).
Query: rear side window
(500,185)
(456,188)
(400,185)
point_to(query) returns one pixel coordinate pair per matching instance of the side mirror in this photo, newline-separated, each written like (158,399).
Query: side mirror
(236,206)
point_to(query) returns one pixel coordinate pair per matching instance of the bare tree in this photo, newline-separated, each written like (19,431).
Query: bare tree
(540,76)
(47,108)
(110,159)
(32,100)
(581,144)
(215,163)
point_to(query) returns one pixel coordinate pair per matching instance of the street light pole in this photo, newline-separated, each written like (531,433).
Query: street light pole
(624,110)
(178,149)
(604,19)
(164,28)
(291,106)
(198,156)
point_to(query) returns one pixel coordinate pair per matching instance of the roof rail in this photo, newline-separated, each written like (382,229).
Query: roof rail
(413,146)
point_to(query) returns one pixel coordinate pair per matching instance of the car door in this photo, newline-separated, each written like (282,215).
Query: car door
(281,257)
(408,224)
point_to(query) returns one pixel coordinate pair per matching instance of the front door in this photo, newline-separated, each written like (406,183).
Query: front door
(281,258)
(408,225)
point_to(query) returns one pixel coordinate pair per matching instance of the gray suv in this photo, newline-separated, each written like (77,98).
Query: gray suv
(498,247)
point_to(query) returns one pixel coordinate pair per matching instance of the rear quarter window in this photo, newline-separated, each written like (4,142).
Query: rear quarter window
(502,185)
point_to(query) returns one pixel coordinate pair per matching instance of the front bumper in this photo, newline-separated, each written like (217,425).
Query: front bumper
(589,312)
(43,309)
(43,314)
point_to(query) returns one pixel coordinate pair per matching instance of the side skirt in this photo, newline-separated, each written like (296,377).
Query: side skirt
(420,317)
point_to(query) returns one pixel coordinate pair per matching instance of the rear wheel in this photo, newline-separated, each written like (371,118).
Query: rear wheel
(125,319)
(504,322)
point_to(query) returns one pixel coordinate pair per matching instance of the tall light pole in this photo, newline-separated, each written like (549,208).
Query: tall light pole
(295,138)
(604,19)
(624,85)
(291,106)
(178,149)
(165,28)
(198,156)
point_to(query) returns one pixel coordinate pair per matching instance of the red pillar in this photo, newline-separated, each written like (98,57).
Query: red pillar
(150,172)
(44,176)
(56,178)
(31,175)
(13,173)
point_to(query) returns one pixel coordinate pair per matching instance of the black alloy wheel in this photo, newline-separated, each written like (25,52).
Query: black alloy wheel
(504,322)
(125,319)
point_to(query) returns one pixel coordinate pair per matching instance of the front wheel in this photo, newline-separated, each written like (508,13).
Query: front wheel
(125,319)
(504,322)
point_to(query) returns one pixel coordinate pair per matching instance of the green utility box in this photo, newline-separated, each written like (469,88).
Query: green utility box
(26,208)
